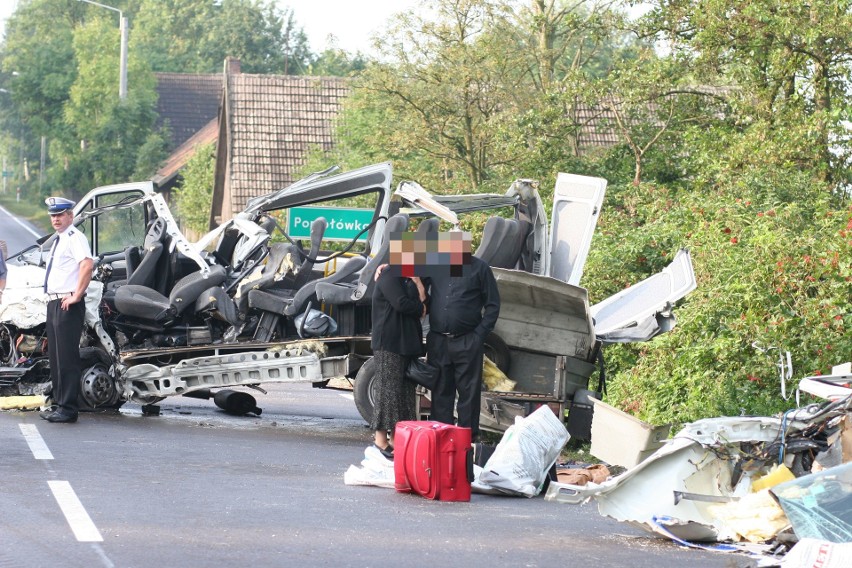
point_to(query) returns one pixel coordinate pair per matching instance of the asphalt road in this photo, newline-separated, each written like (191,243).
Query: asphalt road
(17,233)
(197,487)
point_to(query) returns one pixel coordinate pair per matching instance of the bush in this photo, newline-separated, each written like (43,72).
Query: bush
(771,252)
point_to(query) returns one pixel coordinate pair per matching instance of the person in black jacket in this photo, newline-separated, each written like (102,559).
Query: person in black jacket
(465,305)
(397,336)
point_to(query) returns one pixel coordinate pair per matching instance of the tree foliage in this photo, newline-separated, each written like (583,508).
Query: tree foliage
(473,93)
(724,139)
(195,36)
(445,87)
(789,60)
(771,252)
(194,195)
(60,68)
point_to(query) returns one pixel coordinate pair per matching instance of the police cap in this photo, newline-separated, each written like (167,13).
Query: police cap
(56,205)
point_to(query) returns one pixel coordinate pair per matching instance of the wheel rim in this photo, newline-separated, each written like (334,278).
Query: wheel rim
(374,392)
(97,387)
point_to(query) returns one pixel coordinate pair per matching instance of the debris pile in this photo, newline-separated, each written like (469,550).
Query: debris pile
(757,484)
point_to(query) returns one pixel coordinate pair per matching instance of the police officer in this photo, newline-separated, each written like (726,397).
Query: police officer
(69,271)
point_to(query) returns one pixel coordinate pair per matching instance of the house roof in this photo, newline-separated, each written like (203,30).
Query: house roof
(269,124)
(185,151)
(597,127)
(188,102)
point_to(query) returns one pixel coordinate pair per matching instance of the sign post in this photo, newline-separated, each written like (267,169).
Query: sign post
(344,223)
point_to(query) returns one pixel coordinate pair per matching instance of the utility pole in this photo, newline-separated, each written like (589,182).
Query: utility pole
(42,162)
(122,79)
(123,29)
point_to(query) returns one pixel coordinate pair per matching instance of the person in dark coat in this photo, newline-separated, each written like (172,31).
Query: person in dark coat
(464,307)
(397,336)
(463,311)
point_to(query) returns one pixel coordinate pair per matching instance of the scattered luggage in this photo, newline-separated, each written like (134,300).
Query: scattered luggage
(433,459)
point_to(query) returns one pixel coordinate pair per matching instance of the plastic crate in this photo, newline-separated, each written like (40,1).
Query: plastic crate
(621,439)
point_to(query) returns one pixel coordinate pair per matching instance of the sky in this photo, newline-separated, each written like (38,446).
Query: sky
(352,22)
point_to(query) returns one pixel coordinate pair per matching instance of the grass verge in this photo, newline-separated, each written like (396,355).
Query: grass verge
(31,210)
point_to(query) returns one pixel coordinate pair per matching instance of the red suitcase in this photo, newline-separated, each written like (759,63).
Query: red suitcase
(433,459)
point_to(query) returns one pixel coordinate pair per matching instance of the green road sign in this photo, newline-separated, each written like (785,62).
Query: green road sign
(7,173)
(343,223)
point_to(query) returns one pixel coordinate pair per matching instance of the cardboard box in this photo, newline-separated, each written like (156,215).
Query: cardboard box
(621,439)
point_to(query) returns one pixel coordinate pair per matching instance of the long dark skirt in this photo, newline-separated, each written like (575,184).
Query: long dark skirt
(396,396)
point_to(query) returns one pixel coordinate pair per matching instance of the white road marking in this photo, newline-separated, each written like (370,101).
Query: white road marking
(347,395)
(18,221)
(35,442)
(77,517)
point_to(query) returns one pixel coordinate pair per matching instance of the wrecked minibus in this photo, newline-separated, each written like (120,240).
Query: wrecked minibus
(264,299)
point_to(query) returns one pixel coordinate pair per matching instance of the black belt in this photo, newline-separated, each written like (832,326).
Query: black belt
(452,335)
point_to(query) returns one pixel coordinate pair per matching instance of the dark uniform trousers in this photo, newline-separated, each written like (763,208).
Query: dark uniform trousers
(64,329)
(460,361)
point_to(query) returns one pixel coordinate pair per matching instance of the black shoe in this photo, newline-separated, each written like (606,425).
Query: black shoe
(62,416)
(48,411)
(387,452)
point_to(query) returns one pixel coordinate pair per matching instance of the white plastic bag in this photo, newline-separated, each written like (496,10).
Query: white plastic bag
(374,470)
(525,454)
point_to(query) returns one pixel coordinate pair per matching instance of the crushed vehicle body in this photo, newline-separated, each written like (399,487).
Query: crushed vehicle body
(253,302)
(712,481)
(166,316)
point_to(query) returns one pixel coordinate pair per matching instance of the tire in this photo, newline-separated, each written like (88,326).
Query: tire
(497,350)
(366,390)
(98,389)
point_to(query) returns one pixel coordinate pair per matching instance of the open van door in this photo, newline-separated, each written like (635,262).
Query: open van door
(644,310)
(576,206)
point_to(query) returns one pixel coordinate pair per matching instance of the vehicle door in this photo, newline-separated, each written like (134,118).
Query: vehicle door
(114,217)
(644,310)
(576,207)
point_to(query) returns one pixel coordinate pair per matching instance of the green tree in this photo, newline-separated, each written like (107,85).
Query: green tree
(103,135)
(652,105)
(39,67)
(771,250)
(441,89)
(195,36)
(558,39)
(194,194)
(474,93)
(789,62)
(337,62)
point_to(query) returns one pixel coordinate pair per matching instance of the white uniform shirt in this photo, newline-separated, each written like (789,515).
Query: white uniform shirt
(69,250)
